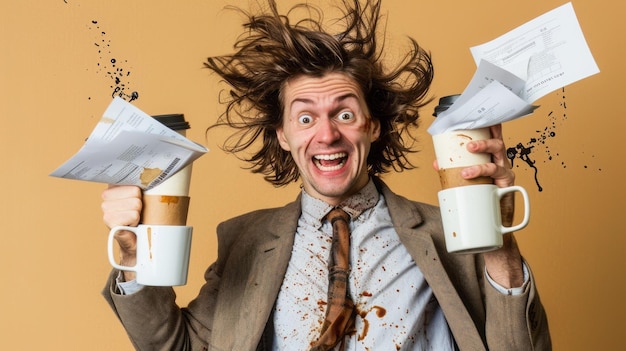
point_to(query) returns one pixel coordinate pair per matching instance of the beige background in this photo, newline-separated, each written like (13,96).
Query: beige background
(55,84)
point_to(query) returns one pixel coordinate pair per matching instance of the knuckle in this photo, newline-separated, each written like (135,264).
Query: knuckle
(134,191)
(134,218)
(499,143)
(489,168)
(135,204)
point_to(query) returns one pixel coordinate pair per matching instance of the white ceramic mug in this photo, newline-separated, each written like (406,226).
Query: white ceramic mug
(471,217)
(162,253)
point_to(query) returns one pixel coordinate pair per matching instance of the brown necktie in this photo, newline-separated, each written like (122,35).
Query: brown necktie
(340,311)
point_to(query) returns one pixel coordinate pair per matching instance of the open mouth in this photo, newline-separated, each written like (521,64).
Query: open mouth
(330,162)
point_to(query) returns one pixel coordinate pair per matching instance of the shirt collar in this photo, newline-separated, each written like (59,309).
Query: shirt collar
(355,205)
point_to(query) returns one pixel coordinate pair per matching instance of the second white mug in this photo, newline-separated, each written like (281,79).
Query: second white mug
(162,253)
(472,219)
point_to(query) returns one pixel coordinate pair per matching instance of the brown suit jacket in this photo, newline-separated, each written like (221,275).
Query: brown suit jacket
(233,308)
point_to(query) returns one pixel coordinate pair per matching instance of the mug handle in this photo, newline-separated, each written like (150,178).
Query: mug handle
(110,248)
(524,222)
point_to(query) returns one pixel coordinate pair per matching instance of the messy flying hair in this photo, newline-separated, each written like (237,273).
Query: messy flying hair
(272,50)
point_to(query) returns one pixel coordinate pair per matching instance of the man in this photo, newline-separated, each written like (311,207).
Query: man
(328,112)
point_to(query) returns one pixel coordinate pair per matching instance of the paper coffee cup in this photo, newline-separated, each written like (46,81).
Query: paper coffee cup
(168,202)
(451,151)
(453,157)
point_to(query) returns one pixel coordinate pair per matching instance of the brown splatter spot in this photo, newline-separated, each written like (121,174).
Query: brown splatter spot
(169,199)
(149,174)
(366,328)
(380,311)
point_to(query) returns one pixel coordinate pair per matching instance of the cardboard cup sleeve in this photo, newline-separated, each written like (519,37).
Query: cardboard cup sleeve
(165,209)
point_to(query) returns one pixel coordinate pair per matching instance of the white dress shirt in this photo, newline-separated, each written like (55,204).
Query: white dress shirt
(396,309)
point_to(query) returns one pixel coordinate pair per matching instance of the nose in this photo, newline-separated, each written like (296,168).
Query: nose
(327,131)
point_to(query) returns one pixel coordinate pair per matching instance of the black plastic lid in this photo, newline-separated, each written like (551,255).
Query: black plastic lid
(445,103)
(174,121)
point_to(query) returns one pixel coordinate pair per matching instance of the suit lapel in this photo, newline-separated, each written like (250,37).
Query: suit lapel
(416,236)
(265,278)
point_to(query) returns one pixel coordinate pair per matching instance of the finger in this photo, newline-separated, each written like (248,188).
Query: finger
(502,176)
(491,146)
(121,206)
(500,157)
(120,192)
(496,131)
(124,218)
(495,147)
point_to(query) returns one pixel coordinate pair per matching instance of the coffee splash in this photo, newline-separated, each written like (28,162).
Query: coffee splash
(526,152)
(111,66)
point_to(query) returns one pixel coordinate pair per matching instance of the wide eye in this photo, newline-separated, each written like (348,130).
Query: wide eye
(305,119)
(346,116)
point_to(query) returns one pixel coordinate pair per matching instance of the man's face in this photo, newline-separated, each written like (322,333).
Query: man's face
(328,130)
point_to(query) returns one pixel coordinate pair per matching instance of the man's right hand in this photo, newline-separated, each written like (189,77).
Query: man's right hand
(121,205)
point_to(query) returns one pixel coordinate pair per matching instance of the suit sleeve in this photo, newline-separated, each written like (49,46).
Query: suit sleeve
(151,316)
(516,322)
(153,320)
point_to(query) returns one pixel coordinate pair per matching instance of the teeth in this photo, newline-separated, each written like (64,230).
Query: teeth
(329,168)
(330,157)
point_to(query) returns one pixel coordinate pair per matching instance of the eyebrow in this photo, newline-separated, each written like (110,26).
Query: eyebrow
(338,99)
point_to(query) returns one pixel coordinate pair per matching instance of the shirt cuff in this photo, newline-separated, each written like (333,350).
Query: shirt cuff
(511,291)
(127,288)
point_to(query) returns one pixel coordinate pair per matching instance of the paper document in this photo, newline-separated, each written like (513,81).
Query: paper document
(129,147)
(518,68)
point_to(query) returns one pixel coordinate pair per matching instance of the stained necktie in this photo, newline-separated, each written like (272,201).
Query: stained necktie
(340,311)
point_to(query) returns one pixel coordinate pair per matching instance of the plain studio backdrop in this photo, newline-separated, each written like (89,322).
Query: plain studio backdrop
(63,60)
